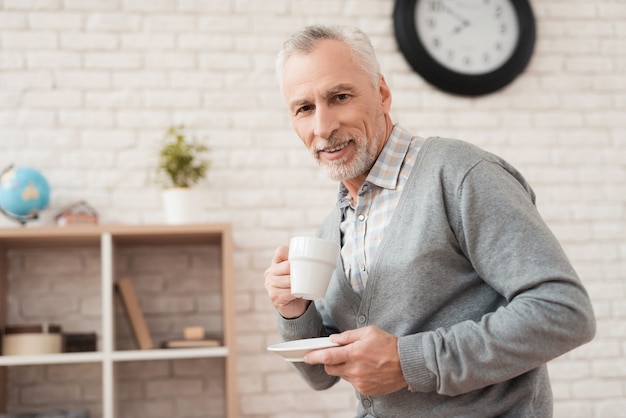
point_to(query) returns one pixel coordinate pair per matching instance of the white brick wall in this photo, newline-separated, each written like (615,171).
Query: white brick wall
(88,87)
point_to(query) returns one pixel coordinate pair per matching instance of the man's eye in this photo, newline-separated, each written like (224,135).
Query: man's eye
(342,97)
(304,109)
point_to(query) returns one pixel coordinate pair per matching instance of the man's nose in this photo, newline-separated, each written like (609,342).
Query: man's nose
(326,122)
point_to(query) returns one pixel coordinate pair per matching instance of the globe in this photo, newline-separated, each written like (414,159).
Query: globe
(24,191)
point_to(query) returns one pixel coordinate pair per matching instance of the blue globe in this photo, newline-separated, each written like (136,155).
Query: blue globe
(24,191)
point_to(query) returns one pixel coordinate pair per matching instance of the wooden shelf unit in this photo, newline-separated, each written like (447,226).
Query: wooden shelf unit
(107,238)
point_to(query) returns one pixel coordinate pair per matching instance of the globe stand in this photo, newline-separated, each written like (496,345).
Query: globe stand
(33,215)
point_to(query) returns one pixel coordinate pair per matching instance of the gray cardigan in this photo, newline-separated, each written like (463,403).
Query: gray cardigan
(473,283)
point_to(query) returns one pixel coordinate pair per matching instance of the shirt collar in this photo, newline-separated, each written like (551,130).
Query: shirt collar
(386,169)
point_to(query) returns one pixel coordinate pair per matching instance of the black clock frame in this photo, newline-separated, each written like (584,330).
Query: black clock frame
(462,84)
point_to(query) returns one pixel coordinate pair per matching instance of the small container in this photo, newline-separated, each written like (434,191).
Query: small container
(32,340)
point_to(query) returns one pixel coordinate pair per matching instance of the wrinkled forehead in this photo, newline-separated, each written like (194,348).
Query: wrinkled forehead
(330,63)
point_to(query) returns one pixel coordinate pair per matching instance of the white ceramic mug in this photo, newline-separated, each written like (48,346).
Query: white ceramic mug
(312,262)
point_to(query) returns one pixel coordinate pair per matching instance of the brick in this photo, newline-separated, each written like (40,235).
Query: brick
(32,4)
(108,139)
(597,389)
(570,370)
(196,79)
(88,41)
(43,394)
(150,408)
(83,79)
(150,6)
(168,98)
(53,60)
(113,21)
(90,5)
(592,64)
(205,42)
(609,368)
(112,60)
(142,119)
(55,20)
(68,373)
(86,118)
(134,79)
(224,61)
(217,24)
(610,408)
(12,20)
(165,304)
(557,10)
(212,6)
(143,370)
(572,409)
(147,41)
(46,307)
(173,387)
(9,99)
(163,23)
(29,40)
(112,99)
(173,60)
(57,98)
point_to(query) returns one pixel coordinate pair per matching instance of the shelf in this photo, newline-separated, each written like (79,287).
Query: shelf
(63,358)
(127,355)
(170,354)
(54,236)
(109,250)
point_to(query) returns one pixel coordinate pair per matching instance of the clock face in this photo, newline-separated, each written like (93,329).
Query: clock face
(468,36)
(466,47)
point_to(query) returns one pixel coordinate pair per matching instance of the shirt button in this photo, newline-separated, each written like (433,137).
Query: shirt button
(361,218)
(362,319)
(367,403)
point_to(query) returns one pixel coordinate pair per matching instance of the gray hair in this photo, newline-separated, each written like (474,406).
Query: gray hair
(305,40)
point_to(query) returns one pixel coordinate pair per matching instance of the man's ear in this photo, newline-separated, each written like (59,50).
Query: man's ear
(385,94)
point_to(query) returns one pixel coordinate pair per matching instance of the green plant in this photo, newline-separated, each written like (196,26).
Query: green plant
(181,161)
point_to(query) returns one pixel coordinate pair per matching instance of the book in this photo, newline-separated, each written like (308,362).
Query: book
(191,343)
(126,289)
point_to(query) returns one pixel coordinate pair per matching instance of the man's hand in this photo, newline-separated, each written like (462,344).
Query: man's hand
(367,358)
(278,286)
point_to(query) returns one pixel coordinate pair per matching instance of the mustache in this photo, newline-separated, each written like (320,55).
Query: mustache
(332,142)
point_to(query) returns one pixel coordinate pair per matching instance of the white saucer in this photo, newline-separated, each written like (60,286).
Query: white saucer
(295,350)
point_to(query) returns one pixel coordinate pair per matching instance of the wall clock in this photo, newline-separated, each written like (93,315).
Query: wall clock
(466,47)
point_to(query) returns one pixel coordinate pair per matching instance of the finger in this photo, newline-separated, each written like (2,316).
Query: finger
(281,254)
(348,337)
(327,356)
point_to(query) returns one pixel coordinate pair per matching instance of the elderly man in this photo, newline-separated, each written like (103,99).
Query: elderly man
(451,293)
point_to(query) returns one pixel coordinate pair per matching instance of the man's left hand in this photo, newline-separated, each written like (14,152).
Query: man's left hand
(367,358)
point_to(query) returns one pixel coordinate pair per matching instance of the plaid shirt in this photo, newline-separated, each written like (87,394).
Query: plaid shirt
(363,226)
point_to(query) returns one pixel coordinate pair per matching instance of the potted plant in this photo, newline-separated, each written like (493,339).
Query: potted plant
(182,164)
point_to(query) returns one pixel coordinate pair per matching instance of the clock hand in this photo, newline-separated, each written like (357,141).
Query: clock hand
(464,22)
(460,27)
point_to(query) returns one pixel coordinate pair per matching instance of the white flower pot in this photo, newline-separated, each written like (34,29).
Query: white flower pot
(182,206)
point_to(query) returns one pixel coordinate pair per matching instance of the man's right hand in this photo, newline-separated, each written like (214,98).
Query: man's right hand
(278,286)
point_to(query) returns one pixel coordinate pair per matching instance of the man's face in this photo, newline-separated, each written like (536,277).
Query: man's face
(336,111)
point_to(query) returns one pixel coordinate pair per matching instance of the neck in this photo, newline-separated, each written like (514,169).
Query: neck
(354,184)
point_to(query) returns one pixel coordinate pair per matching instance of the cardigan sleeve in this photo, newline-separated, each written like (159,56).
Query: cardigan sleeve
(308,325)
(547,311)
